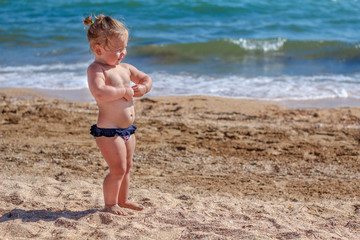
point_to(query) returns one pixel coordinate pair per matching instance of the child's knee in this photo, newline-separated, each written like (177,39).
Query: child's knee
(118,172)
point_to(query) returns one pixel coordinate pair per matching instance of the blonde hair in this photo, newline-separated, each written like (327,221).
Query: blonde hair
(103,28)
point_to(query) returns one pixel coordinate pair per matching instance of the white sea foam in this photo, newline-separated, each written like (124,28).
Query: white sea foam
(62,76)
(44,67)
(267,88)
(264,45)
(52,76)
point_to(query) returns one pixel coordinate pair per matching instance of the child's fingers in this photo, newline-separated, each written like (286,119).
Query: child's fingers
(136,88)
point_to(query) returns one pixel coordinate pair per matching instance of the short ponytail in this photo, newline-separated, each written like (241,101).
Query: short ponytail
(88,21)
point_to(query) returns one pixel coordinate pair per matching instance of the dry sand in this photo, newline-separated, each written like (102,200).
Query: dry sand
(205,168)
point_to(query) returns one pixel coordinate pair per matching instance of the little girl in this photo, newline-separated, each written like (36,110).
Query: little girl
(109,83)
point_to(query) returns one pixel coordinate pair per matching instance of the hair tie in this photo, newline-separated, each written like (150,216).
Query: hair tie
(92,22)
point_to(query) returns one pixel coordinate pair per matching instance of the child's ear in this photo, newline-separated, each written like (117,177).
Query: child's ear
(97,49)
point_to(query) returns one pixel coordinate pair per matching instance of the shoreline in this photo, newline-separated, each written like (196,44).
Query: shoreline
(84,95)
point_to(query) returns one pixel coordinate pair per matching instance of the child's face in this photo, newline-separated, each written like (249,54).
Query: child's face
(114,52)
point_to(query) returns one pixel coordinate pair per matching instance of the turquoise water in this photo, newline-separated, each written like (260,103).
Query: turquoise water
(266,49)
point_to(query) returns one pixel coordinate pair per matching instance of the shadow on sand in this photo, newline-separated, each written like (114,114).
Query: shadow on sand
(45,215)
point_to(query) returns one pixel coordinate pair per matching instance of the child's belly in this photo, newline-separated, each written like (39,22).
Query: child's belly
(118,114)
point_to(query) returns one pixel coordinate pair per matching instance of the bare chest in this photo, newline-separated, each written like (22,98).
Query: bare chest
(117,77)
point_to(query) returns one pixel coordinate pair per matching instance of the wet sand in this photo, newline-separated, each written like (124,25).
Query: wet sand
(204,168)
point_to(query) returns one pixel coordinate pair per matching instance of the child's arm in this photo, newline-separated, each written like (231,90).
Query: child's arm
(142,80)
(102,92)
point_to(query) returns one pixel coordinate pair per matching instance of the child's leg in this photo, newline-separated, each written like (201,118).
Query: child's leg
(114,152)
(125,184)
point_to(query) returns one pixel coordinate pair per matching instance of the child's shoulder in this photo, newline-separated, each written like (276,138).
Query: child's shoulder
(125,65)
(128,66)
(94,66)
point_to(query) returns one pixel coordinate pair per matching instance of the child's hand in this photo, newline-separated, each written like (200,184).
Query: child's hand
(129,94)
(139,90)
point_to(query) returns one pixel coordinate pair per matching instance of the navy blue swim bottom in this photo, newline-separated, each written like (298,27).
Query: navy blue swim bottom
(125,133)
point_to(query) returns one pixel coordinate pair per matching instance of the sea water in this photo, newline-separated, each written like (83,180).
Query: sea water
(259,49)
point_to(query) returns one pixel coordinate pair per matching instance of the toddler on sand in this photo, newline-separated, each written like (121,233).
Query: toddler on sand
(109,83)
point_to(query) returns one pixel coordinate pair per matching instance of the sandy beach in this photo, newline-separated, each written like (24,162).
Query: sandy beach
(204,168)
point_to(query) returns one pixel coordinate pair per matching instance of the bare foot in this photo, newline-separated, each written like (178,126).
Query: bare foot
(133,206)
(115,209)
